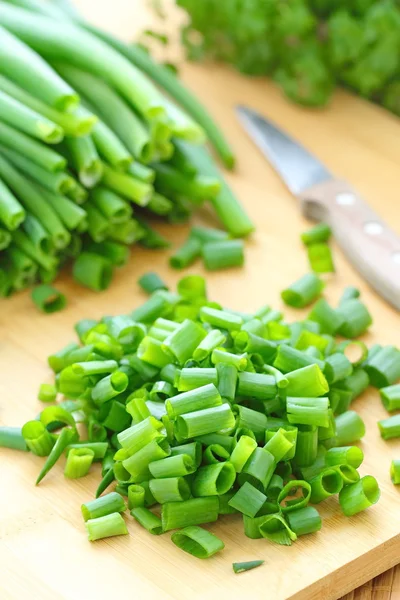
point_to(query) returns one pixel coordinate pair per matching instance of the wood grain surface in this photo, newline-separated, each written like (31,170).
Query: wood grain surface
(44,553)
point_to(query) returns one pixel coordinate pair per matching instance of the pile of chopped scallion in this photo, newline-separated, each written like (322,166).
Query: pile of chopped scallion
(195,410)
(92,151)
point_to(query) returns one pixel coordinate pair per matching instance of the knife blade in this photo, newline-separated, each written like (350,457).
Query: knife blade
(372,247)
(297,167)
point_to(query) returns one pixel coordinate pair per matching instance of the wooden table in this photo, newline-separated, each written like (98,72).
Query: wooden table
(43,549)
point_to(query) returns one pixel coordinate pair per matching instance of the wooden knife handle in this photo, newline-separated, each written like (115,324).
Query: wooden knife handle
(372,247)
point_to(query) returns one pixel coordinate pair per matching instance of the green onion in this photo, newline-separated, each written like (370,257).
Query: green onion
(329,319)
(275,528)
(109,387)
(291,504)
(390,428)
(248,500)
(78,462)
(170,489)
(85,160)
(227,380)
(214,480)
(12,437)
(349,428)
(317,234)
(39,78)
(223,254)
(241,567)
(356,318)
(390,397)
(197,541)
(258,469)
(147,520)
(308,411)
(395,471)
(303,292)
(358,496)
(303,521)
(289,359)
(37,438)
(279,445)
(48,299)
(192,378)
(47,392)
(208,420)
(344,455)
(320,258)
(349,293)
(194,511)
(186,254)
(105,505)
(107,526)
(175,466)
(66,436)
(27,120)
(337,367)
(307,445)
(204,397)
(325,484)
(307,381)
(384,367)
(151,282)
(193,450)
(93,271)
(136,496)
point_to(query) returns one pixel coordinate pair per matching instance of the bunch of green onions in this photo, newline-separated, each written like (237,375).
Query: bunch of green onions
(90,148)
(196,411)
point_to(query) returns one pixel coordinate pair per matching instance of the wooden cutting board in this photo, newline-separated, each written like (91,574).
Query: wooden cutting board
(44,553)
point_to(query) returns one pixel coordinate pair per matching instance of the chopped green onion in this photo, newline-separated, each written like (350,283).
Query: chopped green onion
(105,505)
(227,380)
(197,541)
(349,428)
(37,438)
(303,292)
(358,496)
(304,520)
(175,466)
(241,567)
(349,293)
(223,254)
(93,271)
(170,489)
(258,469)
(395,471)
(201,422)
(320,258)
(274,527)
(78,462)
(317,234)
(384,367)
(344,455)
(248,500)
(47,392)
(194,511)
(12,437)
(107,526)
(390,428)
(147,519)
(214,480)
(136,496)
(289,505)
(307,381)
(390,396)
(186,254)
(325,484)
(66,436)
(356,318)
(329,319)
(48,299)
(151,282)
(307,445)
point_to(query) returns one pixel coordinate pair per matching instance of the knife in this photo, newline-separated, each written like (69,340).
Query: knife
(372,247)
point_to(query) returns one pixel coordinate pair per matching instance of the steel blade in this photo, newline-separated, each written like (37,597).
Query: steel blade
(298,168)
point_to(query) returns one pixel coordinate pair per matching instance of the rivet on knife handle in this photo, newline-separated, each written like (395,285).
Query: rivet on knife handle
(372,247)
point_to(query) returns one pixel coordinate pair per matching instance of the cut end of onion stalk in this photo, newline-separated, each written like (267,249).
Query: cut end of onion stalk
(67,103)
(50,134)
